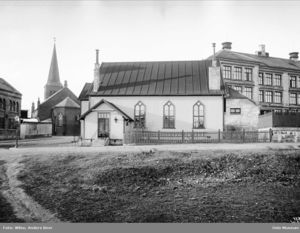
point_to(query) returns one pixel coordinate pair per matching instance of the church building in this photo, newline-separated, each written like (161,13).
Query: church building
(61,107)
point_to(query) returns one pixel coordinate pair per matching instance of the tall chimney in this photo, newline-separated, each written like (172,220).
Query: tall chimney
(32,109)
(294,56)
(226,45)
(262,51)
(96,73)
(214,62)
(38,102)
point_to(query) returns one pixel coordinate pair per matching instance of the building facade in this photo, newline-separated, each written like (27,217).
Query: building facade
(10,107)
(153,96)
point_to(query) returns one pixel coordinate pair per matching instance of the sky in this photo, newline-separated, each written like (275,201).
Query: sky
(132,31)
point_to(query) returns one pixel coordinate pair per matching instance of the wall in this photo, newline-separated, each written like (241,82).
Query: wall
(33,129)
(71,125)
(284,134)
(183,110)
(248,119)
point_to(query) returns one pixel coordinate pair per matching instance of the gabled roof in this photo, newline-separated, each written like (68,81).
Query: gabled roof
(233,94)
(103,101)
(67,103)
(4,85)
(271,62)
(44,109)
(162,78)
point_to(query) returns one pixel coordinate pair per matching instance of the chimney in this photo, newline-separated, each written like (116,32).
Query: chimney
(66,83)
(97,80)
(226,45)
(214,62)
(294,56)
(32,109)
(214,76)
(262,51)
(38,102)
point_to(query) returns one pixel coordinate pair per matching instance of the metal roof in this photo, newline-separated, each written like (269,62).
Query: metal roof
(162,78)
(4,85)
(271,62)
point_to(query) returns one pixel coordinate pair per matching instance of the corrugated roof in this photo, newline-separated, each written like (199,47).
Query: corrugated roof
(272,62)
(4,85)
(164,78)
(44,110)
(86,89)
(67,103)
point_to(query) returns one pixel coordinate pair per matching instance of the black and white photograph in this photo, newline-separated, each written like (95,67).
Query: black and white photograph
(149,116)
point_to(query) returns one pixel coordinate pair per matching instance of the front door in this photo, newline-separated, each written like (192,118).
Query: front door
(103,125)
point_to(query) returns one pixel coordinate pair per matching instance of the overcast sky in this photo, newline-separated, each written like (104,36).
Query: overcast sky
(132,31)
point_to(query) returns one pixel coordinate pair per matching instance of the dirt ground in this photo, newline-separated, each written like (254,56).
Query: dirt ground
(26,208)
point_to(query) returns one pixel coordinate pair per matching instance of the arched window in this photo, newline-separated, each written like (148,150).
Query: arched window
(139,115)
(198,115)
(10,105)
(17,107)
(60,119)
(169,116)
(1,104)
(4,104)
(14,106)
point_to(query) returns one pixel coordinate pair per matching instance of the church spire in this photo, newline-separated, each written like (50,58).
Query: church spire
(53,83)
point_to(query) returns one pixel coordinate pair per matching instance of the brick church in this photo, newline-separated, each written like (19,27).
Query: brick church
(61,106)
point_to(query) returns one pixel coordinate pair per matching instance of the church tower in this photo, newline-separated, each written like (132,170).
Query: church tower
(53,84)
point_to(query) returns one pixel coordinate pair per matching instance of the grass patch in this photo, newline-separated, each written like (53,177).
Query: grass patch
(6,211)
(168,186)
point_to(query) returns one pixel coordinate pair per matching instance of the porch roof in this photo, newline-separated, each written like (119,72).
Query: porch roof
(103,101)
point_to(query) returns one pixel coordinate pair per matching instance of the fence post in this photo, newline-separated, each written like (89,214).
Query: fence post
(244,135)
(219,135)
(270,134)
(192,136)
(158,135)
(182,136)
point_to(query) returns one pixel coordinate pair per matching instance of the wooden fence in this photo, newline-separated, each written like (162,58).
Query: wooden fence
(163,137)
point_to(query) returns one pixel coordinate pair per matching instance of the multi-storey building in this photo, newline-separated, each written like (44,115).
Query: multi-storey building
(272,83)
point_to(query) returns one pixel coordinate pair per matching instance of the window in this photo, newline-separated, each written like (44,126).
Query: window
(238,88)
(2,123)
(169,116)
(1,104)
(198,116)
(261,79)
(10,105)
(248,74)
(235,111)
(248,92)
(277,80)
(278,97)
(227,72)
(4,104)
(60,119)
(261,96)
(237,74)
(292,81)
(298,99)
(139,115)
(292,98)
(17,106)
(268,79)
(268,96)
(14,106)
(298,82)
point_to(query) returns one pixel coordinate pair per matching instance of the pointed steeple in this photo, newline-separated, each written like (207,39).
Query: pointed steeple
(53,83)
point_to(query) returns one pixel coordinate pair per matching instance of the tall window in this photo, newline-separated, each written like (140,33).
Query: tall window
(227,72)
(268,79)
(278,97)
(4,104)
(277,80)
(298,82)
(169,116)
(248,74)
(2,123)
(293,98)
(238,88)
(139,115)
(237,74)
(1,104)
(261,78)
(248,92)
(293,81)
(298,99)
(261,96)
(14,106)
(198,116)
(17,106)
(10,105)
(268,96)
(60,119)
